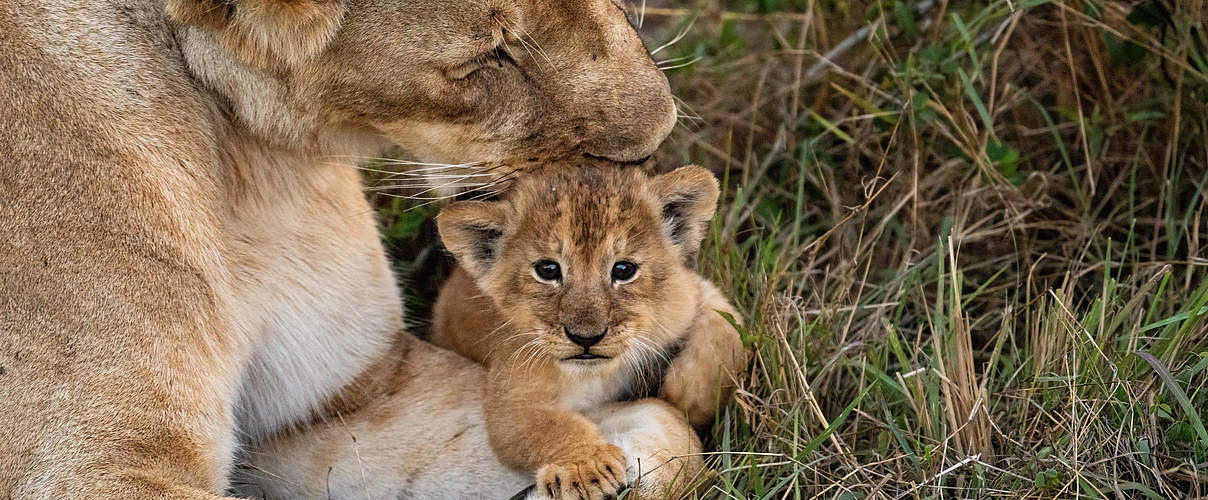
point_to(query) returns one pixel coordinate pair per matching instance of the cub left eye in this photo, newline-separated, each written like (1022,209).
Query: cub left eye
(624,272)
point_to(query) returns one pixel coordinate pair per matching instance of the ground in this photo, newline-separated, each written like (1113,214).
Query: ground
(969,238)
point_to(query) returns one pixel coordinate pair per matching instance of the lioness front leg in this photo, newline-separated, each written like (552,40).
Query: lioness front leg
(565,449)
(116,372)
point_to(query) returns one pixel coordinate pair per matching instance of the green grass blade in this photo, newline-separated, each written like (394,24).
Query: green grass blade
(1181,397)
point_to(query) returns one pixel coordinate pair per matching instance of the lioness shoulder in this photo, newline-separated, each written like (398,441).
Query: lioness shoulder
(188,264)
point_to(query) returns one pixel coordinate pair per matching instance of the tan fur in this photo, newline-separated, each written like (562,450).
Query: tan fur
(402,446)
(505,316)
(187,262)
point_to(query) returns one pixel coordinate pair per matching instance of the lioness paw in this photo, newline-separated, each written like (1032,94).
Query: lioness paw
(590,473)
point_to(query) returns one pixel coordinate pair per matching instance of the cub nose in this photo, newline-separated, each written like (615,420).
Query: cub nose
(585,341)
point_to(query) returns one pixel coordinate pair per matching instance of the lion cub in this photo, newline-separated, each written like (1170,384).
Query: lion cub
(575,290)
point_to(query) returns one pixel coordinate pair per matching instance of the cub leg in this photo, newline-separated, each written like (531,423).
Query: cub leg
(702,376)
(528,431)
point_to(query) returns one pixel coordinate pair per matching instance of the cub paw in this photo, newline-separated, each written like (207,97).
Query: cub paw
(591,473)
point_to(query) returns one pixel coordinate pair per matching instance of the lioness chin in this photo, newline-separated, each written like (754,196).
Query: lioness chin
(188,265)
(575,291)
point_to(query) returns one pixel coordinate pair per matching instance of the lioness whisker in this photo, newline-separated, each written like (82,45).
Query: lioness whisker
(435,168)
(419,185)
(683,107)
(453,184)
(483,189)
(420,195)
(521,35)
(679,36)
(426,175)
(675,60)
(527,49)
(358,167)
(501,182)
(677,66)
(427,199)
(463,171)
(397,160)
(487,195)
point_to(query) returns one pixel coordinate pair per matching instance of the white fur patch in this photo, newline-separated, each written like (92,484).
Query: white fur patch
(592,387)
(312,286)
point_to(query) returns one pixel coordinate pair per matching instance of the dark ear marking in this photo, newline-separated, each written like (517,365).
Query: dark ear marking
(486,243)
(676,217)
(687,198)
(473,232)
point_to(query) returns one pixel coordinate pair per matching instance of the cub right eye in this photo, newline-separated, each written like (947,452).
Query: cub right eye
(547,271)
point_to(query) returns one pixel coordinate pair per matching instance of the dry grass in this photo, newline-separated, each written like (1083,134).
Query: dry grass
(970,237)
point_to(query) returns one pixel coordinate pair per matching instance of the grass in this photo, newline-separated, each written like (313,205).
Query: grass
(968,237)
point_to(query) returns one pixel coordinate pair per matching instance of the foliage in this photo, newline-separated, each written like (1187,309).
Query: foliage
(968,239)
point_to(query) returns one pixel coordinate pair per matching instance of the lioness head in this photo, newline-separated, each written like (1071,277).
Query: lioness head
(450,81)
(592,261)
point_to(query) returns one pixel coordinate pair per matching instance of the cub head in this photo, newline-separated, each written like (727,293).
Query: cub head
(451,81)
(593,263)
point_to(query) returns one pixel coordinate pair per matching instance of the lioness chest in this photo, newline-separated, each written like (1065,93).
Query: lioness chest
(313,288)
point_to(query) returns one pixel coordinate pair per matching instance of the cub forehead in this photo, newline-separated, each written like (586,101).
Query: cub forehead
(584,189)
(586,206)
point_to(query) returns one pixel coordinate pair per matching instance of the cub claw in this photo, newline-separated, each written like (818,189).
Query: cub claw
(595,473)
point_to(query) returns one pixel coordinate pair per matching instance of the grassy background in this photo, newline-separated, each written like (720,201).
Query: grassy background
(969,238)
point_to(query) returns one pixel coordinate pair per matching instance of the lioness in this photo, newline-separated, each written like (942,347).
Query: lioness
(581,295)
(187,262)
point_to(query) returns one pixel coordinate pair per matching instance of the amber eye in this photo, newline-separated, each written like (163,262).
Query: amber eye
(624,271)
(547,271)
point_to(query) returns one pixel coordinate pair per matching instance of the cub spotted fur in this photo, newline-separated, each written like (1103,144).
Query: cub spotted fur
(575,292)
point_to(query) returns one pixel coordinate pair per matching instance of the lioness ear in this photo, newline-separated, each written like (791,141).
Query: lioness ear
(688,197)
(265,32)
(472,231)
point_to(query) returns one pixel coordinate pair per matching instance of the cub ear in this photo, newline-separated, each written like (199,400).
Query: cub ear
(688,198)
(473,232)
(265,32)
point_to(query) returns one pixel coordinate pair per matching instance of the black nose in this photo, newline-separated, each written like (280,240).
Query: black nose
(583,340)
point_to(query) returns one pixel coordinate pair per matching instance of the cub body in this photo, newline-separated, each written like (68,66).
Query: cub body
(575,292)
